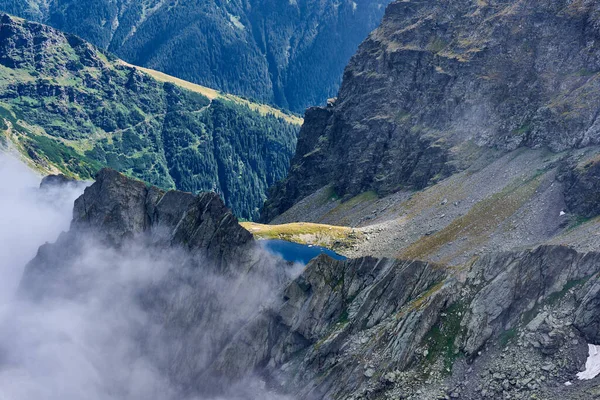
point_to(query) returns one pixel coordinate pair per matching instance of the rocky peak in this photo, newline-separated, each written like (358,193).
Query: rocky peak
(117,208)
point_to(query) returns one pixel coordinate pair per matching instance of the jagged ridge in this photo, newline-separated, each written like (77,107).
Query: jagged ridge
(363,328)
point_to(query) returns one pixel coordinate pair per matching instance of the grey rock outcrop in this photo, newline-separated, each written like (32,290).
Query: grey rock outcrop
(337,311)
(365,328)
(117,208)
(56,180)
(582,188)
(587,317)
(515,283)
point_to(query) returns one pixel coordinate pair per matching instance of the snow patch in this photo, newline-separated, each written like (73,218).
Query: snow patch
(592,365)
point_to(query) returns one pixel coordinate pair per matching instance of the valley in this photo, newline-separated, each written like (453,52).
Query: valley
(501,203)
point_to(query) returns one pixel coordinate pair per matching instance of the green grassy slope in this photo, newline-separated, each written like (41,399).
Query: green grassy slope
(68,107)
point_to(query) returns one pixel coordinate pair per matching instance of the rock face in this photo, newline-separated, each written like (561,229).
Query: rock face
(330,315)
(370,328)
(439,80)
(291,53)
(116,208)
(582,188)
(516,283)
(122,208)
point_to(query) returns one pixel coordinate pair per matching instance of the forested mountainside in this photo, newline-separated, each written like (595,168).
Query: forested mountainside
(70,107)
(440,83)
(290,53)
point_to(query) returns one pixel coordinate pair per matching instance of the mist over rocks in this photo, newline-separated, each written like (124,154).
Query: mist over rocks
(135,299)
(163,294)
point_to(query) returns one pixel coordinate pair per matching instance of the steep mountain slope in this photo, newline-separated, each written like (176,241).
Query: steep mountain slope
(440,83)
(68,106)
(512,325)
(508,325)
(288,53)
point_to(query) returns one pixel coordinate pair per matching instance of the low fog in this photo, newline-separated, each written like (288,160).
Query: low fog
(28,218)
(95,340)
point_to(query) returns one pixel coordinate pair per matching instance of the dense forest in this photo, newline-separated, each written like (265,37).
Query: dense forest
(288,53)
(72,108)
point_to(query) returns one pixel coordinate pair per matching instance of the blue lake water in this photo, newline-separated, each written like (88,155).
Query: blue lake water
(295,252)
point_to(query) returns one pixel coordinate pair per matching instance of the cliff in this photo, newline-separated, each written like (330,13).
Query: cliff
(505,325)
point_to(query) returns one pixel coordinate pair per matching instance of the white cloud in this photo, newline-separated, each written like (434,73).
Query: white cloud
(28,218)
(98,338)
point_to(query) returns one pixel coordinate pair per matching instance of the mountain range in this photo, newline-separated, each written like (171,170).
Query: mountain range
(288,53)
(458,170)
